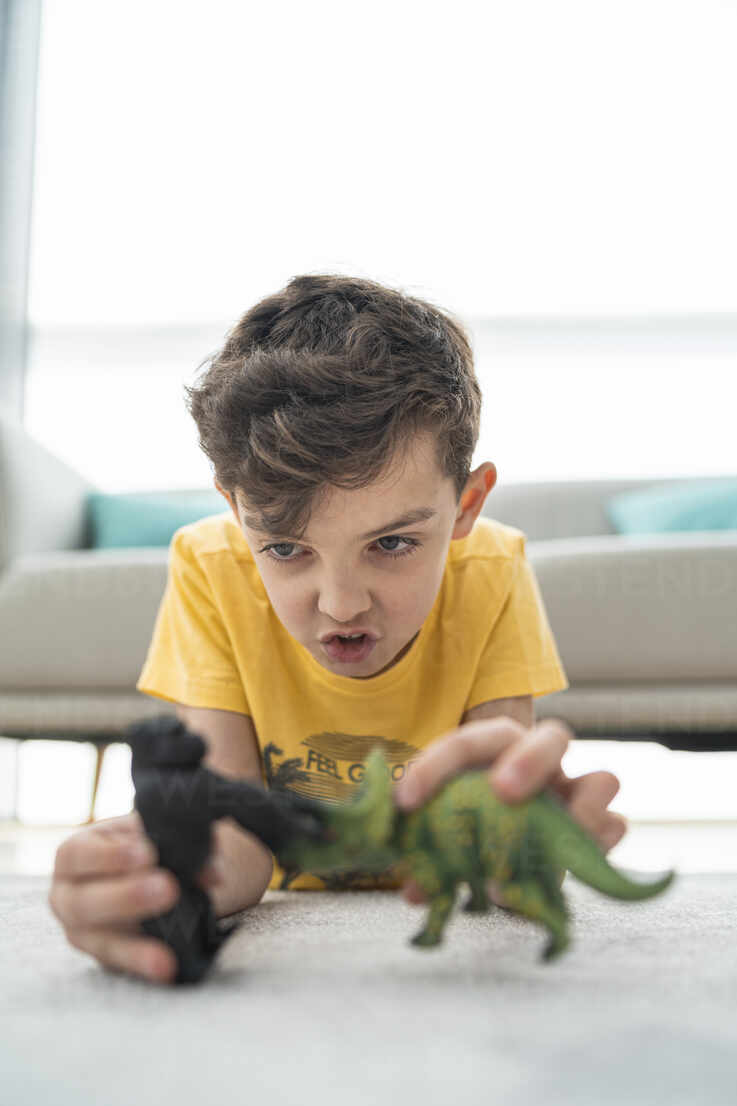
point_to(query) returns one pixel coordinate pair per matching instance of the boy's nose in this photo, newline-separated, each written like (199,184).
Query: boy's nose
(344,603)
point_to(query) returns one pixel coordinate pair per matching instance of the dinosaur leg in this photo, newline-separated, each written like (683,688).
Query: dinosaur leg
(441,905)
(550,878)
(478,901)
(440,895)
(532,898)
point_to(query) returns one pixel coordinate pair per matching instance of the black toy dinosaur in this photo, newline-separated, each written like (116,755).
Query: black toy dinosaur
(178,801)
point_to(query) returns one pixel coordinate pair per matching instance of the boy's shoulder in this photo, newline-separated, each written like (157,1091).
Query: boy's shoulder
(489,538)
(481,571)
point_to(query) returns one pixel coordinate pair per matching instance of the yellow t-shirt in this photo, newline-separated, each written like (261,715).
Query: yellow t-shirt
(217,642)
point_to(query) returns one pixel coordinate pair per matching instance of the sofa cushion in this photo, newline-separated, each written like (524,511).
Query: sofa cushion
(134,519)
(692,505)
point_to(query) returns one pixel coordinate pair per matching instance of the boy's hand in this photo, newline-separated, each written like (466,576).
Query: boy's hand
(99,894)
(523,761)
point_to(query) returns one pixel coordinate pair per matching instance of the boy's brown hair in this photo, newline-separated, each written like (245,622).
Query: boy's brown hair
(325,382)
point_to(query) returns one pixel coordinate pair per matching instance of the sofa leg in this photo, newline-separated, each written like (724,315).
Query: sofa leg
(98,768)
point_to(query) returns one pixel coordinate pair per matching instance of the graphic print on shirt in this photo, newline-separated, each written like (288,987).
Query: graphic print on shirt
(331,770)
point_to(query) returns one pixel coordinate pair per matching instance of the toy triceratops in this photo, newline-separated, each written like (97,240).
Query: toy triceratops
(465,834)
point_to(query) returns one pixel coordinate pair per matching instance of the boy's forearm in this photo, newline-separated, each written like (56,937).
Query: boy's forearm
(248,868)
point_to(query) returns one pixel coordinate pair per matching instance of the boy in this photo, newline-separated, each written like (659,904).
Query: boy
(340,417)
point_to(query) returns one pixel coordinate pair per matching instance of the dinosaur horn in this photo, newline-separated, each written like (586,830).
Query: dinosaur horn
(574,849)
(373,807)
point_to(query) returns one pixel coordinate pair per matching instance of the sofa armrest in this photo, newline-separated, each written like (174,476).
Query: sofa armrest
(42,499)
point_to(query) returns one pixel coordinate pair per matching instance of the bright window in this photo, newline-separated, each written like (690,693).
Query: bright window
(560,175)
(521,158)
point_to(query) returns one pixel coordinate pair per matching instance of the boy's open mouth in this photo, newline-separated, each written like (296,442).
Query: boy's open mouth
(356,635)
(351,648)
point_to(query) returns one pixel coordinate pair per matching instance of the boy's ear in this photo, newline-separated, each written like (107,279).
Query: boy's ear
(478,486)
(229,498)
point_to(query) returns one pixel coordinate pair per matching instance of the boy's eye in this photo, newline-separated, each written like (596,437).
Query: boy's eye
(282,548)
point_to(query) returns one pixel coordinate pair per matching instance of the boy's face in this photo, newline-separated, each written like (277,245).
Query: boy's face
(338,579)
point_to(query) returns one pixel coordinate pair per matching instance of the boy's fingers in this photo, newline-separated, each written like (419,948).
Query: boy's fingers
(212,873)
(412,892)
(121,823)
(206,877)
(531,756)
(591,794)
(140,955)
(609,827)
(473,745)
(100,902)
(613,830)
(588,799)
(91,854)
(561,784)
(526,766)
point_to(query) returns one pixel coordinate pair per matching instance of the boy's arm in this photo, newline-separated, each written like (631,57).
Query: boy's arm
(232,751)
(519,707)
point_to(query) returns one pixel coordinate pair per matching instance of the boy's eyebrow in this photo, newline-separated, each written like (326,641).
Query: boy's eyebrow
(419,514)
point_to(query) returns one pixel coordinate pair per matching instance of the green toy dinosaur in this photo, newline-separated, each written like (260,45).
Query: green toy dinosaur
(465,834)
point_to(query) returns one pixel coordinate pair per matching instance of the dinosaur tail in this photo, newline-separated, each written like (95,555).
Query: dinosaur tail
(573,848)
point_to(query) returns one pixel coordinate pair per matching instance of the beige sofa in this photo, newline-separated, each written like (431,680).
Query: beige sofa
(646,626)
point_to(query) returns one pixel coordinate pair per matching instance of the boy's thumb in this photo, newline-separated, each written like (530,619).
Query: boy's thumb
(213,871)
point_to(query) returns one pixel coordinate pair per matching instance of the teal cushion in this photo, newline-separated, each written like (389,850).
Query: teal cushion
(692,505)
(146,518)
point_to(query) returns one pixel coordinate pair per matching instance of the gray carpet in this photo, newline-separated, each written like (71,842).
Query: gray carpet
(319,999)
